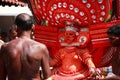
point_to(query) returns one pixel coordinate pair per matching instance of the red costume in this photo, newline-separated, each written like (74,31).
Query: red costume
(73,63)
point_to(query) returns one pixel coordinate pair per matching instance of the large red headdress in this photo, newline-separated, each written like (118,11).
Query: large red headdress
(83,12)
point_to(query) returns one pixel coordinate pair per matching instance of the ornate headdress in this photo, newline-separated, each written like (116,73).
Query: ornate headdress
(71,28)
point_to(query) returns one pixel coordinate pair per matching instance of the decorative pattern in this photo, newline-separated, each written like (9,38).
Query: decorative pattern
(83,12)
(91,16)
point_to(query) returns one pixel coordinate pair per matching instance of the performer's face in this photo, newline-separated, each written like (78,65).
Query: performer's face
(114,40)
(69,36)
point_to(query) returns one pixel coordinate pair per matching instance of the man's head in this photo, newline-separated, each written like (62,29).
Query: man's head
(12,32)
(114,35)
(24,23)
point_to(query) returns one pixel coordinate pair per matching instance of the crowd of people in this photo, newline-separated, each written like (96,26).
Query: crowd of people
(22,57)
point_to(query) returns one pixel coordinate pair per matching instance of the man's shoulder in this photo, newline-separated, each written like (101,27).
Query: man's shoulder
(42,45)
(10,43)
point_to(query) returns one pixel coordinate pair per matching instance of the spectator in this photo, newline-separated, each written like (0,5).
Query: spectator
(114,38)
(21,58)
(12,33)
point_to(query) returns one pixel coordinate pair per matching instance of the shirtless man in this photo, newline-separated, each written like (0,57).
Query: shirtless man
(114,38)
(21,58)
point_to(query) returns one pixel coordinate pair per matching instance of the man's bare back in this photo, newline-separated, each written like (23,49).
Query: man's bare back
(21,58)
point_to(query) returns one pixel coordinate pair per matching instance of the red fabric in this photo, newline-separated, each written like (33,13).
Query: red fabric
(72,67)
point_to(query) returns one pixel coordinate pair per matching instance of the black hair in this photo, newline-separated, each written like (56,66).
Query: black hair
(114,30)
(24,21)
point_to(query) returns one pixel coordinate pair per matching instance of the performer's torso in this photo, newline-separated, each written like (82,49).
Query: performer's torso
(71,60)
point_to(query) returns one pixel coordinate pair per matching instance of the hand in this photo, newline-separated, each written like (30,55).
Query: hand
(95,73)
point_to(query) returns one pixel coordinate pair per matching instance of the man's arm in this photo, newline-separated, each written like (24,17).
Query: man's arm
(2,64)
(45,64)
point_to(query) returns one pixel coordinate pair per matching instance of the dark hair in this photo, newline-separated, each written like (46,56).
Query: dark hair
(114,30)
(24,21)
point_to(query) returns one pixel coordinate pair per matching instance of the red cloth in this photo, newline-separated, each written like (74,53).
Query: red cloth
(72,64)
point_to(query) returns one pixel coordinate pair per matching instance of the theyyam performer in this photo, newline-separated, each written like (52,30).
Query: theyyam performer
(73,62)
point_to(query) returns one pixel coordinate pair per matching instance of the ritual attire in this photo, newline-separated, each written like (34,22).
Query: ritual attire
(73,64)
